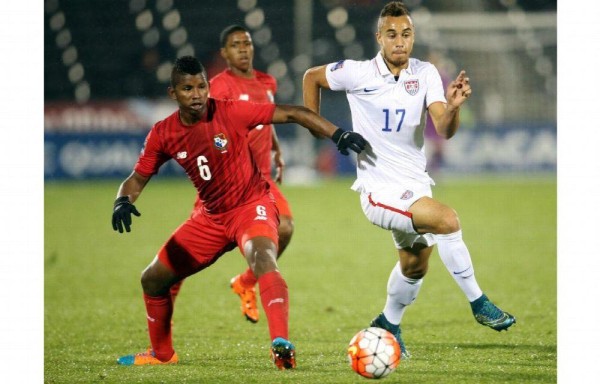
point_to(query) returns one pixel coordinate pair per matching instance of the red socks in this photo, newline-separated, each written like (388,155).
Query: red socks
(159,310)
(248,279)
(274,299)
(273,295)
(175,290)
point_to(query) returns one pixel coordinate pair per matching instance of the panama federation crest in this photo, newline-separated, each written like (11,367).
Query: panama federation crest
(411,86)
(220,142)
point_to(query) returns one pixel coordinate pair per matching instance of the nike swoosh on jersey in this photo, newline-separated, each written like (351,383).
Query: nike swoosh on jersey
(369,90)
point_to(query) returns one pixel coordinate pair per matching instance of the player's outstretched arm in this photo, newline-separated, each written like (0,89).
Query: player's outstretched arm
(446,117)
(277,157)
(320,126)
(314,79)
(129,191)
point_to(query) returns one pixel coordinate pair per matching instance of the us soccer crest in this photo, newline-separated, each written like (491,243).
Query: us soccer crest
(411,86)
(407,195)
(221,142)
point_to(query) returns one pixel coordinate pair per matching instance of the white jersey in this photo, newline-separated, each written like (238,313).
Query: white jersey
(391,115)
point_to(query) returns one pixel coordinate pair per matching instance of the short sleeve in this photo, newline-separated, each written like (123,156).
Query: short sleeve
(151,157)
(435,87)
(251,114)
(219,89)
(341,75)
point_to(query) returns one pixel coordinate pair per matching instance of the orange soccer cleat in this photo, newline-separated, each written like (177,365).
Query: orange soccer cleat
(248,298)
(146,358)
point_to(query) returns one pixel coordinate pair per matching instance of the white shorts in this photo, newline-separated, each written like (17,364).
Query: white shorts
(388,209)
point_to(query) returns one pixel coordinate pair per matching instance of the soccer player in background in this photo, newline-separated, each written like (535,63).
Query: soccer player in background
(208,138)
(388,97)
(242,82)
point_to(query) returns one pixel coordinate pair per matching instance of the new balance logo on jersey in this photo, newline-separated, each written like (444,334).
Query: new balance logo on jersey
(181,155)
(411,86)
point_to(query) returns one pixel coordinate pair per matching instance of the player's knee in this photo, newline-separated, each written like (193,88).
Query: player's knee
(264,263)
(416,271)
(261,255)
(449,222)
(153,283)
(415,267)
(286,229)
(149,283)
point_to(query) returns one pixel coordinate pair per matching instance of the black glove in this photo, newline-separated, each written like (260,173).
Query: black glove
(347,139)
(122,214)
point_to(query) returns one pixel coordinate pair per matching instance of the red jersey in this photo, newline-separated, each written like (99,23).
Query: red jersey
(213,152)
(260,89)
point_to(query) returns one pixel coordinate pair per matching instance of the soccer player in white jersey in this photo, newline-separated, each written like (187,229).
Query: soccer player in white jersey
(388,97)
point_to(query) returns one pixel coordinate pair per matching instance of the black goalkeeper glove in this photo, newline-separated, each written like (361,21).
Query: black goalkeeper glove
(122,214)
(345,140)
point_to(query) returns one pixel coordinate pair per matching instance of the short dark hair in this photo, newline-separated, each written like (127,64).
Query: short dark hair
(394,9)
(186,65)
(228,31)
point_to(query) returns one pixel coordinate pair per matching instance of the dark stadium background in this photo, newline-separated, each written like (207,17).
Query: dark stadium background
(107,63)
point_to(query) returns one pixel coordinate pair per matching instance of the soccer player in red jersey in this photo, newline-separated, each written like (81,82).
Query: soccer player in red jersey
(208,138)
(242,82)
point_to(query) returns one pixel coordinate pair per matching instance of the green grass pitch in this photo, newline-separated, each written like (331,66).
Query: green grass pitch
(336,268)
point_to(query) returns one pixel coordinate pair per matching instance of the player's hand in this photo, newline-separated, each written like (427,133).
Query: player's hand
(121,216)
(279,166)
(459,90)
(345,140)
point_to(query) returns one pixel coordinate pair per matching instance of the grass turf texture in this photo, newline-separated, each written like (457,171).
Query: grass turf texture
(336,267)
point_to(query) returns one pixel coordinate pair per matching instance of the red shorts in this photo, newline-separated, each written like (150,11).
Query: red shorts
(282,204)
(203,238)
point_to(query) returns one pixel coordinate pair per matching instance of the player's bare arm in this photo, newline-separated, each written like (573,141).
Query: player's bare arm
(132,186)
(320,126)
(129,190)
(304,117)
(277,157)
(446,117)
(314,80)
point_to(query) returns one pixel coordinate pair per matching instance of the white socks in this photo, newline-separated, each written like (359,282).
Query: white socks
(456,258)
(401,291)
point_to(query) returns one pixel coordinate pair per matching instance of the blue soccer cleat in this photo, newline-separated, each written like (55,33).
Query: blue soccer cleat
(382,322)
(486,313)
(283,353)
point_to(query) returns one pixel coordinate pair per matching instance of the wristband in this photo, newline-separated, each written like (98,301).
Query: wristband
(122,200)
(337,135)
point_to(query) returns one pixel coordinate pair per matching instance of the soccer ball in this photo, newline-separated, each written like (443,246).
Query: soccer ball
(374,353)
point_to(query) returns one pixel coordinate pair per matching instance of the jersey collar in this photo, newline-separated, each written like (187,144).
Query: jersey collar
(384,70)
